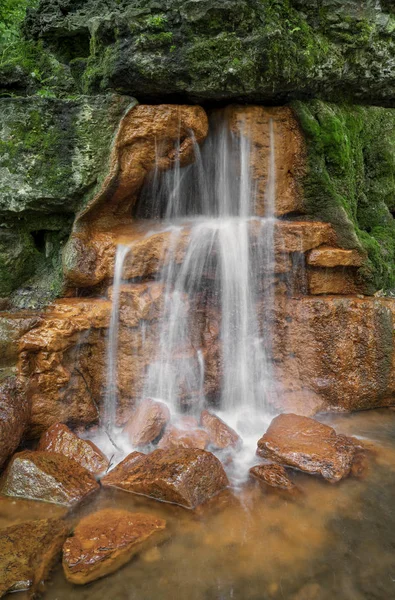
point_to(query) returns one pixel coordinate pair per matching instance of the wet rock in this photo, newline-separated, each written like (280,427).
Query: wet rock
(106,540)
(182,476)
(220,434)
(305,444)
(147,422)
(61,440)
(14,416)
(340,281)
(48,477)
(273,475)
(175,437)
(121,470)
(28,550)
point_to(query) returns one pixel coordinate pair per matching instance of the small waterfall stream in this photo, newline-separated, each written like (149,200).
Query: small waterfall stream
(227,268)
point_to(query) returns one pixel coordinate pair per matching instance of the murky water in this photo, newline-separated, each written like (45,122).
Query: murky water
(332,541)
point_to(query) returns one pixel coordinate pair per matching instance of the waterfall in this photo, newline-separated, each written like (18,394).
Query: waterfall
(226,271)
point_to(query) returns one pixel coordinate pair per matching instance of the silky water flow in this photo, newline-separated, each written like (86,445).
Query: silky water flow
(226,271)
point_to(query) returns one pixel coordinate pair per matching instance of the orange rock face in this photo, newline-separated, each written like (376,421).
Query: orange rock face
(309,446)
(14,416)
(333,281)
(326,256)
(28,551)
(273,475)
(48,477)
(147,422)
(147,137)
(187,477)
(254,123)
(106,540)
(175,437)
(61,440)
(219,433)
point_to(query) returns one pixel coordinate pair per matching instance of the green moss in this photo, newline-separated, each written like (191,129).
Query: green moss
(351,180)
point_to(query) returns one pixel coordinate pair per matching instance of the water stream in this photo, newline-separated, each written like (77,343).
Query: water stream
(227,268)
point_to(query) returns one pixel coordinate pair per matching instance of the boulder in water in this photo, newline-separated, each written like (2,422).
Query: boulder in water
(14,416)
(147,422)
(61,440)
(274,476)
(27,553)
(183,476)
(119,473)
(106,540)
(48,477)
(176,437)
(220,434)
(308,445)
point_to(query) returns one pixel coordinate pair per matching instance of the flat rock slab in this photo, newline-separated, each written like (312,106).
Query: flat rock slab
(274,476)
(61,440)
(48,477)
(28,550)
(220,434)
(106,540)
(147,422)
(308,445)
(183,476)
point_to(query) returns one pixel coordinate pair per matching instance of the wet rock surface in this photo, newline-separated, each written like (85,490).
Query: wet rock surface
(61,440)
(28,550)
(48,477)
(220,434)
(176,437)
(182,476)
(14,416)
(147,422)
(120,472)
(106,540)
(273,475)
(309,446)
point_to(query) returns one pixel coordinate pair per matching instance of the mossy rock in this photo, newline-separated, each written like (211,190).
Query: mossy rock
(250,50)
(351,180)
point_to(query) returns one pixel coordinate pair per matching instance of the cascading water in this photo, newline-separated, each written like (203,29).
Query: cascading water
(225,274)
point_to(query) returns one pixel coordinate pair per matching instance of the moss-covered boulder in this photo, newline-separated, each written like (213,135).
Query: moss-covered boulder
(350,180)
(53,156)
(255,50)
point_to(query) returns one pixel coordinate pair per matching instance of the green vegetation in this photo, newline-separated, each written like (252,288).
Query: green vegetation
(351,179)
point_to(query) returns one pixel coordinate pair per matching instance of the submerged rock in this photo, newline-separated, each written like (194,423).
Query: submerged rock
(220,434)
(48,477)
(182,476)
(61,440)
(305,444)
(273,475)
(106,540)
(14,416)
(27,552)
(147,422)
(175,437)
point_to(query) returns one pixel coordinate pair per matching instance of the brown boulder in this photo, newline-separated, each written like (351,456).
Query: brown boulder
(176,437)
(28,550)
(120,471)
(326,256)
(61,440)
(147,422)
(220,434)
(183,476)
(48,477)
(305,444)
(106,540)
(273,475)
(14,416)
